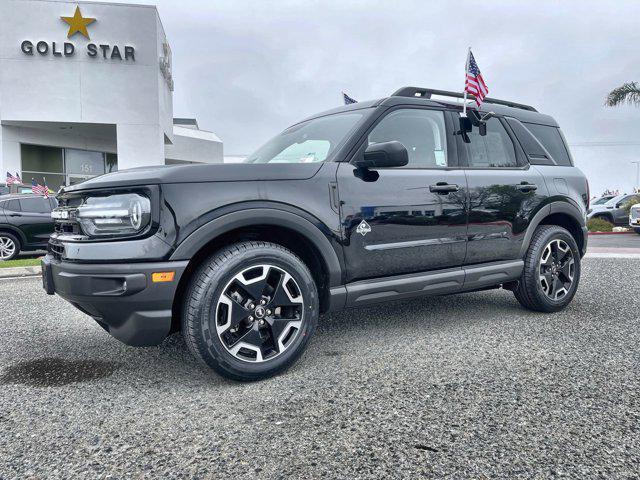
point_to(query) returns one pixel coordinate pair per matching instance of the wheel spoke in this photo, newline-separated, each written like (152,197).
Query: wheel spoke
(282,296)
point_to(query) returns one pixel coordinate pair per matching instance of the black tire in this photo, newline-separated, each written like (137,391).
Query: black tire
(531,290)
(202,316)
(637,230)
(8,240)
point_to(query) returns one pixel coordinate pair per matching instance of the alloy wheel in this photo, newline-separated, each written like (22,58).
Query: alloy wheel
(7,248)
(557,269)
(259,313)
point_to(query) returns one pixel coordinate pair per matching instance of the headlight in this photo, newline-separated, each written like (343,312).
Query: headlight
(120,215)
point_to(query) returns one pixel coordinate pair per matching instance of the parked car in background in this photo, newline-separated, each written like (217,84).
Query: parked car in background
(613,210)
(634,218)
(25,223)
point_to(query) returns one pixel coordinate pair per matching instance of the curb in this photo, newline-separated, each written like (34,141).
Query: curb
(612,233)
(14,272)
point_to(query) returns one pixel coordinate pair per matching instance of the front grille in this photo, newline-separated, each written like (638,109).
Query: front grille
(56,250)
(66,227)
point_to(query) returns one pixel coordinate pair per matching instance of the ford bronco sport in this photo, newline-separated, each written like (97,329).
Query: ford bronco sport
(371,202)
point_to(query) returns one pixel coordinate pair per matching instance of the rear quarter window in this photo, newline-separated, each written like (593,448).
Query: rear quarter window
(551,139)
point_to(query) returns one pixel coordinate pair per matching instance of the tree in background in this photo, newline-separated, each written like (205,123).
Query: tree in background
(625,93)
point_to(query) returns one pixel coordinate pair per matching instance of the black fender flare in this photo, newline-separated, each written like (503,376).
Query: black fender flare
(549,209)
(16,232)
(262,216)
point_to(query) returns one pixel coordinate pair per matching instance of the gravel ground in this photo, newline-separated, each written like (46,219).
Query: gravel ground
(467,386)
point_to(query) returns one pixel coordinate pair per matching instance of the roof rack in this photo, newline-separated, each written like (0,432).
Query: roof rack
(428,92)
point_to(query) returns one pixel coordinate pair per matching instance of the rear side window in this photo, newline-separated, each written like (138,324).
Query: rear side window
(35,205)
(493,150)
(551,139)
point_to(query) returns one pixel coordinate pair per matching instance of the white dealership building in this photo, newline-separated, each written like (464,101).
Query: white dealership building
(86,88)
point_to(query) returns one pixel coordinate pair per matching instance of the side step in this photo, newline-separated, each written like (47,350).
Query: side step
(440,282)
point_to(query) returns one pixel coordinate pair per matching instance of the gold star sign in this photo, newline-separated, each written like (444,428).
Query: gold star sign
(78,23)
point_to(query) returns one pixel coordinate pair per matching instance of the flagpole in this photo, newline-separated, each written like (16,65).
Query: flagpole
(466,72)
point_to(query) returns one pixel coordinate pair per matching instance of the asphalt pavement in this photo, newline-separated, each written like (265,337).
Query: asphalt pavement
(466,386)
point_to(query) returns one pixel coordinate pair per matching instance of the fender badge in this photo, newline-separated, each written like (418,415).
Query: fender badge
(363,228)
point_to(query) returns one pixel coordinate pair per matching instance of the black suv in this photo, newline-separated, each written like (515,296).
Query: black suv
(25,223)
(372,202)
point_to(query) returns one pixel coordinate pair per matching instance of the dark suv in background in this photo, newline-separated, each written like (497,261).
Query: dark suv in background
(25,223)
(371,202)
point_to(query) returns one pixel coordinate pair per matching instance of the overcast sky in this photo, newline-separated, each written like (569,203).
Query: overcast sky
(248,69)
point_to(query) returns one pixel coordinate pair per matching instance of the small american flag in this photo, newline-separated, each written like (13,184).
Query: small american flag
(13,180)
(347,99)
(474,83)
(38,189)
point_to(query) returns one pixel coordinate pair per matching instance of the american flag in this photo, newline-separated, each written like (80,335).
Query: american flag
(474,83)
(38,189)
(347,99)
(11,179)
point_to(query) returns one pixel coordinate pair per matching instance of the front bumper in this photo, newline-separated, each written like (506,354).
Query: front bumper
(120,297)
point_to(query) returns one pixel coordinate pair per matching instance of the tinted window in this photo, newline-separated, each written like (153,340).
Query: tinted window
(422,132)
(495,149)
(35,205)
(551,139)
(12,206)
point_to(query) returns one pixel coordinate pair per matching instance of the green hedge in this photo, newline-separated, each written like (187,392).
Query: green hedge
(599,225)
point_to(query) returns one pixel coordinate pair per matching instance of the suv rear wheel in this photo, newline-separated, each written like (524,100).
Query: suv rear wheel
(9,246)
(551,270)
(250,311)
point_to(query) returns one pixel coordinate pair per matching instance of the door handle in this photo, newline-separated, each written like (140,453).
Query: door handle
(443,188)
(527,187)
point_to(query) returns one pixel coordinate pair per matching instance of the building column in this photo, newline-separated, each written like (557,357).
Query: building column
(139,146)
(10,160)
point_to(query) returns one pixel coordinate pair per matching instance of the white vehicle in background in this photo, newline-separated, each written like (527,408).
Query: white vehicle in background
(612,210)
(634,218)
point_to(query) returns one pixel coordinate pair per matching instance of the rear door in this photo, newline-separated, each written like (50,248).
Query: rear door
(505,191)
(409,219)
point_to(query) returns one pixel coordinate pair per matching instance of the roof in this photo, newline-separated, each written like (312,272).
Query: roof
(13,196)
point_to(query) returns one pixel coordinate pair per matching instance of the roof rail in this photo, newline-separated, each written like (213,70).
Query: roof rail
(428,92)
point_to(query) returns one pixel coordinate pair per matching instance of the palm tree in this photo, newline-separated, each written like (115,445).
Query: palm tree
(627,92)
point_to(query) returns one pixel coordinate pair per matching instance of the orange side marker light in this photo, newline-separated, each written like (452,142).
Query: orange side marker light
(158,277)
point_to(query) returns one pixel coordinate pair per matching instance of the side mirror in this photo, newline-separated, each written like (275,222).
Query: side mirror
(384,155)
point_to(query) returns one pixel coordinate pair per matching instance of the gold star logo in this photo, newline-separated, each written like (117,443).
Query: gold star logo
(78,23)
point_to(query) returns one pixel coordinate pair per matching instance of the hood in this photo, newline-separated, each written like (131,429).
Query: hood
(219,172)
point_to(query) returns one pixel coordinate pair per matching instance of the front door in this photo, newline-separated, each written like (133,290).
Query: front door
(409,219)
(504,193)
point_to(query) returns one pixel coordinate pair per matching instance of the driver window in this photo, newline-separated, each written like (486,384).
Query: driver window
(422,132)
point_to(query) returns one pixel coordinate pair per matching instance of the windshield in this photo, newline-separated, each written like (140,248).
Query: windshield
(601,200)
(308,142)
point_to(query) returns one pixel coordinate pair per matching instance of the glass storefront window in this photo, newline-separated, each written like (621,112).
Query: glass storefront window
(63,166)
(36,158)
(83,162)
(111,162)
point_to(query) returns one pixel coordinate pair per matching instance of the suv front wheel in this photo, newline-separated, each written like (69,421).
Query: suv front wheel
(250,311)
(551,270)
